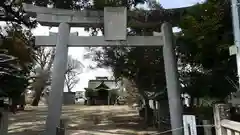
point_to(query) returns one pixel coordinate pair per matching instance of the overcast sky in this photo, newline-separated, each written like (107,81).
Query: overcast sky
(79,52)
(178,3)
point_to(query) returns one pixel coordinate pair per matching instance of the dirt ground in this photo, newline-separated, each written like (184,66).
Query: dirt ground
(82,120)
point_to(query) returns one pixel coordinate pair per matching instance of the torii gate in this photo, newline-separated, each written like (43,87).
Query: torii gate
(115,25)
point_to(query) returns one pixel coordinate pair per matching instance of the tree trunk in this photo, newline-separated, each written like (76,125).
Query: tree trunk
(37,97)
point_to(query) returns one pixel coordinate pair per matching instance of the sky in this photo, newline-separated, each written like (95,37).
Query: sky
(178,3)
(78,52)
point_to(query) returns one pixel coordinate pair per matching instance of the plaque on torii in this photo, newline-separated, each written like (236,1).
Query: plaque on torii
(114,20)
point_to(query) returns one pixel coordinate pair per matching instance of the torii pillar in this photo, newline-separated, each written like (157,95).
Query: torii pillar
(58,77)
(172,79)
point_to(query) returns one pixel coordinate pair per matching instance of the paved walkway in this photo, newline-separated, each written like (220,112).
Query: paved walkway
(83,120)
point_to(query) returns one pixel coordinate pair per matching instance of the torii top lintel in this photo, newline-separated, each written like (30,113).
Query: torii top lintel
(84,18)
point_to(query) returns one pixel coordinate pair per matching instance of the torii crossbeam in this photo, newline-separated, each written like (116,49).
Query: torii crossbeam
(98,41)
(115,25)
(85,18)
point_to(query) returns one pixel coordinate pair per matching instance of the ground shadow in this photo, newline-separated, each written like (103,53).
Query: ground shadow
(81,120)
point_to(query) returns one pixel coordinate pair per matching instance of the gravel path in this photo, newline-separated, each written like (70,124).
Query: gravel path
(82,120)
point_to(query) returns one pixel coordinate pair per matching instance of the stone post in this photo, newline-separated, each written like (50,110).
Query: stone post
(159,114)
(109,97)
(220,112)
(172,79)
(58,76)
(155,112)
(62,127)
(207,129)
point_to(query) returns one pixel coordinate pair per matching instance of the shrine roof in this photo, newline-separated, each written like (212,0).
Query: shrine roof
(110,84)
(102,85)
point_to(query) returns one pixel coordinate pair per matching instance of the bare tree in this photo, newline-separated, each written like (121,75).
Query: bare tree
(74,68)
(41,77)
(42,73)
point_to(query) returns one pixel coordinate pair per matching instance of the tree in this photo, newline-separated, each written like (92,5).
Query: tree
(17,59)
(74,68)
(139,64)
(202,49)
(75,4)
(142,65)
(43,69)
(16,51)
(12,11)
(132,94)
(41,74)
(203,44)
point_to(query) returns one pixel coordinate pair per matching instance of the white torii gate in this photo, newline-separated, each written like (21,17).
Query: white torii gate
(115,25)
